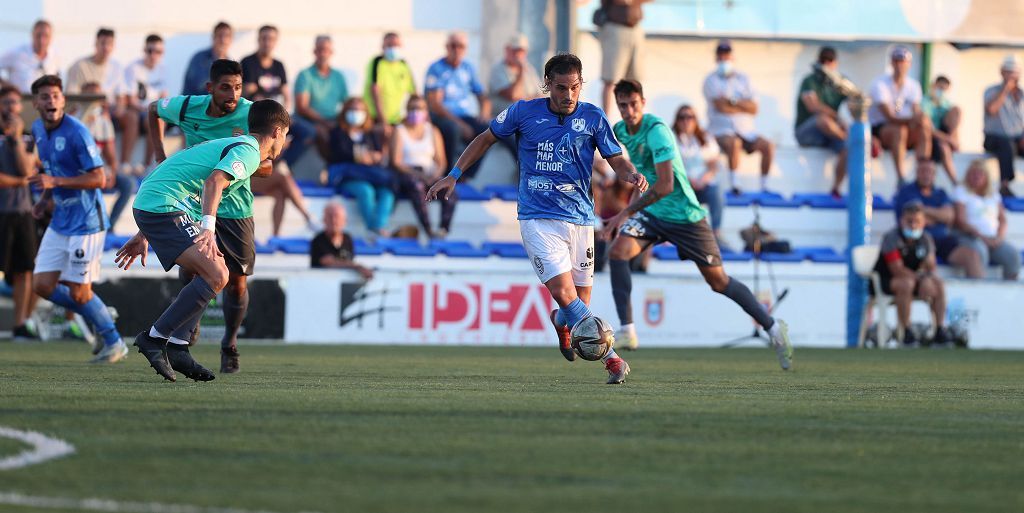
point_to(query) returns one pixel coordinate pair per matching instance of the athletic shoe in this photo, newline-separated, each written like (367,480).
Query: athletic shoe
(112,353)
(182,361)
(910,340)
(564,338)
(153,349)
(943,338)
(627,340)
(783,349)
(23,334)
(617,369)
(229,360)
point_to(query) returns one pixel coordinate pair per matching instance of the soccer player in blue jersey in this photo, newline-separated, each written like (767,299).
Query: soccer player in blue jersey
(69,255)
(556,138)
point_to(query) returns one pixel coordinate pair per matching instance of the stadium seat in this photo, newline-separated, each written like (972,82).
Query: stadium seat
(459,249)
(466,192)
(665,252)
(823,255)
(389,243)
(503,192)
(737,256)
(506,249)
(1014,204)
(114,242)
(294,246)
(265,248)
(792,257)
(774,201)
(317,191)
(364,248)
(413,251)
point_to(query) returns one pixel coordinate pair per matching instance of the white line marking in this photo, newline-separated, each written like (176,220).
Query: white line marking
(107,505)
(43,448)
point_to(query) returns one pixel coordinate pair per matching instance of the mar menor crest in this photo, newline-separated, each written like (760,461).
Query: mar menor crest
(58,144)
(579,124)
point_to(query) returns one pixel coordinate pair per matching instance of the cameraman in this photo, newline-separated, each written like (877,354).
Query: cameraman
(817,111)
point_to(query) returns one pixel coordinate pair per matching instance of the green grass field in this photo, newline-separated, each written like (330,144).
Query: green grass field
(500,429)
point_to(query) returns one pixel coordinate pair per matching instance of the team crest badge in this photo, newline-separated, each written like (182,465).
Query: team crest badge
(579,124)
(58,144)
(165,102)
(501,117)
(654,307)
(238,168)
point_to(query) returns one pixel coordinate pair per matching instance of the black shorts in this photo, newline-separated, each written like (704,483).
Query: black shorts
(693,241)
(169,234)
(887,287)
(236,238)
(18,242)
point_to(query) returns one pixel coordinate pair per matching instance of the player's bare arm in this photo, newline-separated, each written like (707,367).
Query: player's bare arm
(213,190)
(663,186)
(95,178)
(626,172)
(156,133)
(474,152)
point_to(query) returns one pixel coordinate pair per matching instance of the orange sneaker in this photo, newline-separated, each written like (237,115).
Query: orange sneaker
(564,339)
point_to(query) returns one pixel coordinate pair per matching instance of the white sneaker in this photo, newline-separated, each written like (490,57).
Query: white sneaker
(783,349)
(626,339)
(112,353)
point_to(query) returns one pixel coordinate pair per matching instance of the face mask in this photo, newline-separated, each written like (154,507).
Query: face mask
(939,93)
(392,53)
(724,67)
(417,116)
(913,234)
(355,117)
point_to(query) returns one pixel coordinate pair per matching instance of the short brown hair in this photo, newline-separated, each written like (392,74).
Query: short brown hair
(47,81)
(266,115)
(628,86)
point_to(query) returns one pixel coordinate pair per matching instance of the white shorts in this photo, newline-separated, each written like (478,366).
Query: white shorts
(557,247)
(76,257)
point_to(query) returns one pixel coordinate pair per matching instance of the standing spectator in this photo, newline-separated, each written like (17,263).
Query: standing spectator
(263,76)
(333,248)
(945,119)
(198,69)
(355,157)
(319,93)
(417,155)
(24,64)
(514,78)
(389,81)
(622,44)
(817,112)
(700,154)
(731,110)
(18,240)
(1004,121)
(146,82)
(451,85)
(101,69)
(895,115)
(981,219)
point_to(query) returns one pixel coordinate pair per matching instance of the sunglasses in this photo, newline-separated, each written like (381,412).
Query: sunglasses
(154,51)
(683,117)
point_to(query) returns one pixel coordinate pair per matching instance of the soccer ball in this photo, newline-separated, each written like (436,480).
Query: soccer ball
(592,337)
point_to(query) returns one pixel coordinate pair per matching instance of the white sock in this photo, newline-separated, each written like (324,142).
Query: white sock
(732,179)
(629,328)
(611,354)
(178,341)
(156,334)
(764,182)
(774,330)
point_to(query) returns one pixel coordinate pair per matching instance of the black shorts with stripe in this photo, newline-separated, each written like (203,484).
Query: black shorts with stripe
(236,238)
(693,241)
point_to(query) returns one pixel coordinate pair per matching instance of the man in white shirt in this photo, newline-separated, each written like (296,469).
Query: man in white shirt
(101,69)
(895,115)
(24,64)
(145,81)
(731,109)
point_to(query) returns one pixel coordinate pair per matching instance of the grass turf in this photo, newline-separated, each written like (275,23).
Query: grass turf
(449,429)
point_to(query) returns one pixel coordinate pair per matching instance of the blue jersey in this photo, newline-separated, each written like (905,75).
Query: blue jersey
(69,150)
(556,153)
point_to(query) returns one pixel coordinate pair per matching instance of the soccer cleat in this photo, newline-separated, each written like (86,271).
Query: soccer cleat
(617,369)
(564,338)
(23,334)
(111,353)
(229,360)
(625,339)
(783,349)
(182,361)
(153,350)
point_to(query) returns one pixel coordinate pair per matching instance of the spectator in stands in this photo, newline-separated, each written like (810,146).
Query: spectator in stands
(451,84)
(333,248)
(945,120)
(263,76)
(906,267)
(101,69)
(981,221)
(389,82)
(514,78)
(622,44)
(700,155)
(97,119)
(280,185)
(198,71)
(355,157)
(18,240)
(895,115)
(939,216)
(817,113)
(24,64)
(1004,121)
(146,81)
(417,155)
(319,92)
(731,110)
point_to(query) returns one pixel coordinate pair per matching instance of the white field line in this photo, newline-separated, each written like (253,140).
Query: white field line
(108,505)
(43,448)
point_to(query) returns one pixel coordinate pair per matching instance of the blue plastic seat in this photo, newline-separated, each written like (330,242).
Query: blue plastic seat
(733,256)
(795,256)
(113,242)
(266,248)
(506,249)
(413,251)
(293,246)
(459,249)
(466,192)
(503,192)
(665,252)
(364,248)
(316,191)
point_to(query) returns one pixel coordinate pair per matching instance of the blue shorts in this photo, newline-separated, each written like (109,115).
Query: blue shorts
(808,134)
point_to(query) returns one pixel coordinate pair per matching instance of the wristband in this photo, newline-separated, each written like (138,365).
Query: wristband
(208,223)
(455,173)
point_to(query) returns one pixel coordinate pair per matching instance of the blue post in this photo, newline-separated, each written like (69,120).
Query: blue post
(858,221)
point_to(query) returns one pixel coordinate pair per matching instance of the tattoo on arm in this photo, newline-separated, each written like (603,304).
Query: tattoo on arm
(647,199)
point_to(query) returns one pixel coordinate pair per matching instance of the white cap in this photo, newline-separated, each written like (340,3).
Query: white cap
(518,40)
(1011,63)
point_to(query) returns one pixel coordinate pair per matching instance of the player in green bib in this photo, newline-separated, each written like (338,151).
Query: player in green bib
(183,189)
(668,211)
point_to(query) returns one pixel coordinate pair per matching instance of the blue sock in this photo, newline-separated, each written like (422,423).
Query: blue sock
(94,311)
(574,312)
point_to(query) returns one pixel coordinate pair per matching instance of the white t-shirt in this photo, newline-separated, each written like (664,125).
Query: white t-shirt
(21,66)
(982,211)
(735,86)
(109,75)
(900,100)
(144,84)
(695,156)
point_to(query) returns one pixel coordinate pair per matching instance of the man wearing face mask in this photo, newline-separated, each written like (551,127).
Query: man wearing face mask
(906,267)
(388,84)
(817,112)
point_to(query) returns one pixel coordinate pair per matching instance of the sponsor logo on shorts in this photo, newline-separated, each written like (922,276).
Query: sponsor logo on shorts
(590,253)
(579,124)
(539,264)
(79,253)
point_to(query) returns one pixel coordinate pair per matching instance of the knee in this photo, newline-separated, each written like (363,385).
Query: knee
(237,285)
(81,294)
(563,295)
(718,282)
(619,252)
(218,277)
(902,286)
(767,147)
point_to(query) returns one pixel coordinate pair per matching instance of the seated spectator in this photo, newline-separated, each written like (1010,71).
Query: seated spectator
(700,155)
(981,221)
(817,113)
(281,186)
(514,78)
(389,82)
(198,69)
(895,114)
(319,93)
(1004,121)
(145,82)
(906,268)
(731,109)
(417,154)
(263,76)
(451,85)
(354,154)
(24,64)
(939,217)
(945,119)
(101,126)
(333,248)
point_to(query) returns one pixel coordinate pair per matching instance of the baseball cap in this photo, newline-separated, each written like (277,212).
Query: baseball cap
(724,46)
(901,53)
(518,40)
(912,207)
(1011,63)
